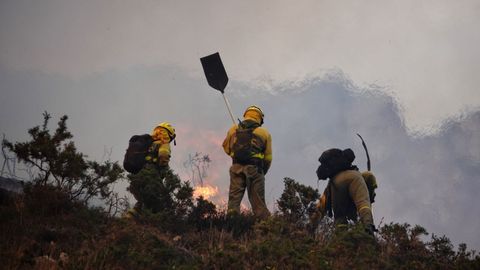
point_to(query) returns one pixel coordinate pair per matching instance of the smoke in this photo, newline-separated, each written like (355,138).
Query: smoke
(425,51)
(427,180)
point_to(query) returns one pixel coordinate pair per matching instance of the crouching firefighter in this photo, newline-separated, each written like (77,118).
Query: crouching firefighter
(250,147)
(346,196)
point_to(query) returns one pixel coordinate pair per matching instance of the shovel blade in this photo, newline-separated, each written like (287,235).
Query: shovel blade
(214,71)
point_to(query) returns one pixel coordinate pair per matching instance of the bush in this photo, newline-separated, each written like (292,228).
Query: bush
(298,202)
(208,239)
(52,226)
(203,215)
(162,196)
(166,201)
(56,162)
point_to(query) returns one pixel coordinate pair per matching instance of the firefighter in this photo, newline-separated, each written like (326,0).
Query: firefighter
(250,147)
(346,196)
(144,185)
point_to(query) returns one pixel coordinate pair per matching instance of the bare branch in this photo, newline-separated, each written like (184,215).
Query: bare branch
(197,165)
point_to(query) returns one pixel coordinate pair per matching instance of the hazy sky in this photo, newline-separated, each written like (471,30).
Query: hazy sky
(321,70)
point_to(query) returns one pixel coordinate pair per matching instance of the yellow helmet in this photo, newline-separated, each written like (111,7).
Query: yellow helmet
(169,128)
(256,109)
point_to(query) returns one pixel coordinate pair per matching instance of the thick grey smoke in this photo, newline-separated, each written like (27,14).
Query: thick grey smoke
(431,181)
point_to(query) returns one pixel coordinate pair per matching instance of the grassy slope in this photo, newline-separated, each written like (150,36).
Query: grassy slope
(45,230)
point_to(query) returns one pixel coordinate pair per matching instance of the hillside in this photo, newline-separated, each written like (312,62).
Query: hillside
(44,229)
(53,224)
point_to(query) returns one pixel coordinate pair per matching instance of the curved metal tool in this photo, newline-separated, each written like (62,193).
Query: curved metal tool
(366,151)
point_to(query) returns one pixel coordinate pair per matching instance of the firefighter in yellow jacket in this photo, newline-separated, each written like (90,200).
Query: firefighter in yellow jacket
(156,165)
(346,196)
(250,147)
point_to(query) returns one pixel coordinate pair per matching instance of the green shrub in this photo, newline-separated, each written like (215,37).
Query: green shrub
(55,161)
(174,231)
(298,203)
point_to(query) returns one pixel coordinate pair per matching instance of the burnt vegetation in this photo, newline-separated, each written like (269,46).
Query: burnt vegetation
(54,224)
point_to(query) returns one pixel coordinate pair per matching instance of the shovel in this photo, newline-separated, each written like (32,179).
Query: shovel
(216,76)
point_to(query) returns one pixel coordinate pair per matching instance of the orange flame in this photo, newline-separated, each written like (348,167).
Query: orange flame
(205,191)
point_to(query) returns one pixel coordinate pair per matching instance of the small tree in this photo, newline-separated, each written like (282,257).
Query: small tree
(167,201)
(56,162)
(298,202)
(161,191)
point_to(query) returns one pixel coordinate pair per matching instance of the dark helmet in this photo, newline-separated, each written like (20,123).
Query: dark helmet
(333,161)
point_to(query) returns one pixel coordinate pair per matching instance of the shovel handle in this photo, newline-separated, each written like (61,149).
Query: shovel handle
(229,108)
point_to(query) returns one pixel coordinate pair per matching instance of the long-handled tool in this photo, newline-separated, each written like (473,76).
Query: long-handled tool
(216,76)
(366,151)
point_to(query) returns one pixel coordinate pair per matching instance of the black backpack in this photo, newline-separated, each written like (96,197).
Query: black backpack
(138,148)
(243,148)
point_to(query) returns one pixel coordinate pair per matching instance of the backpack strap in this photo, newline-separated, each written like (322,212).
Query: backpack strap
(152,153)
(249,124)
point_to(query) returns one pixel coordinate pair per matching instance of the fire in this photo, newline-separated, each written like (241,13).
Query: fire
(205,191)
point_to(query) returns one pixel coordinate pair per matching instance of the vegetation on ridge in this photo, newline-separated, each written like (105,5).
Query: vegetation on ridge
(52,225)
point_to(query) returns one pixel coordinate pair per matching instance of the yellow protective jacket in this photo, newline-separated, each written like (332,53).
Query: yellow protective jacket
(261,133)
(162,143)
(349,195)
